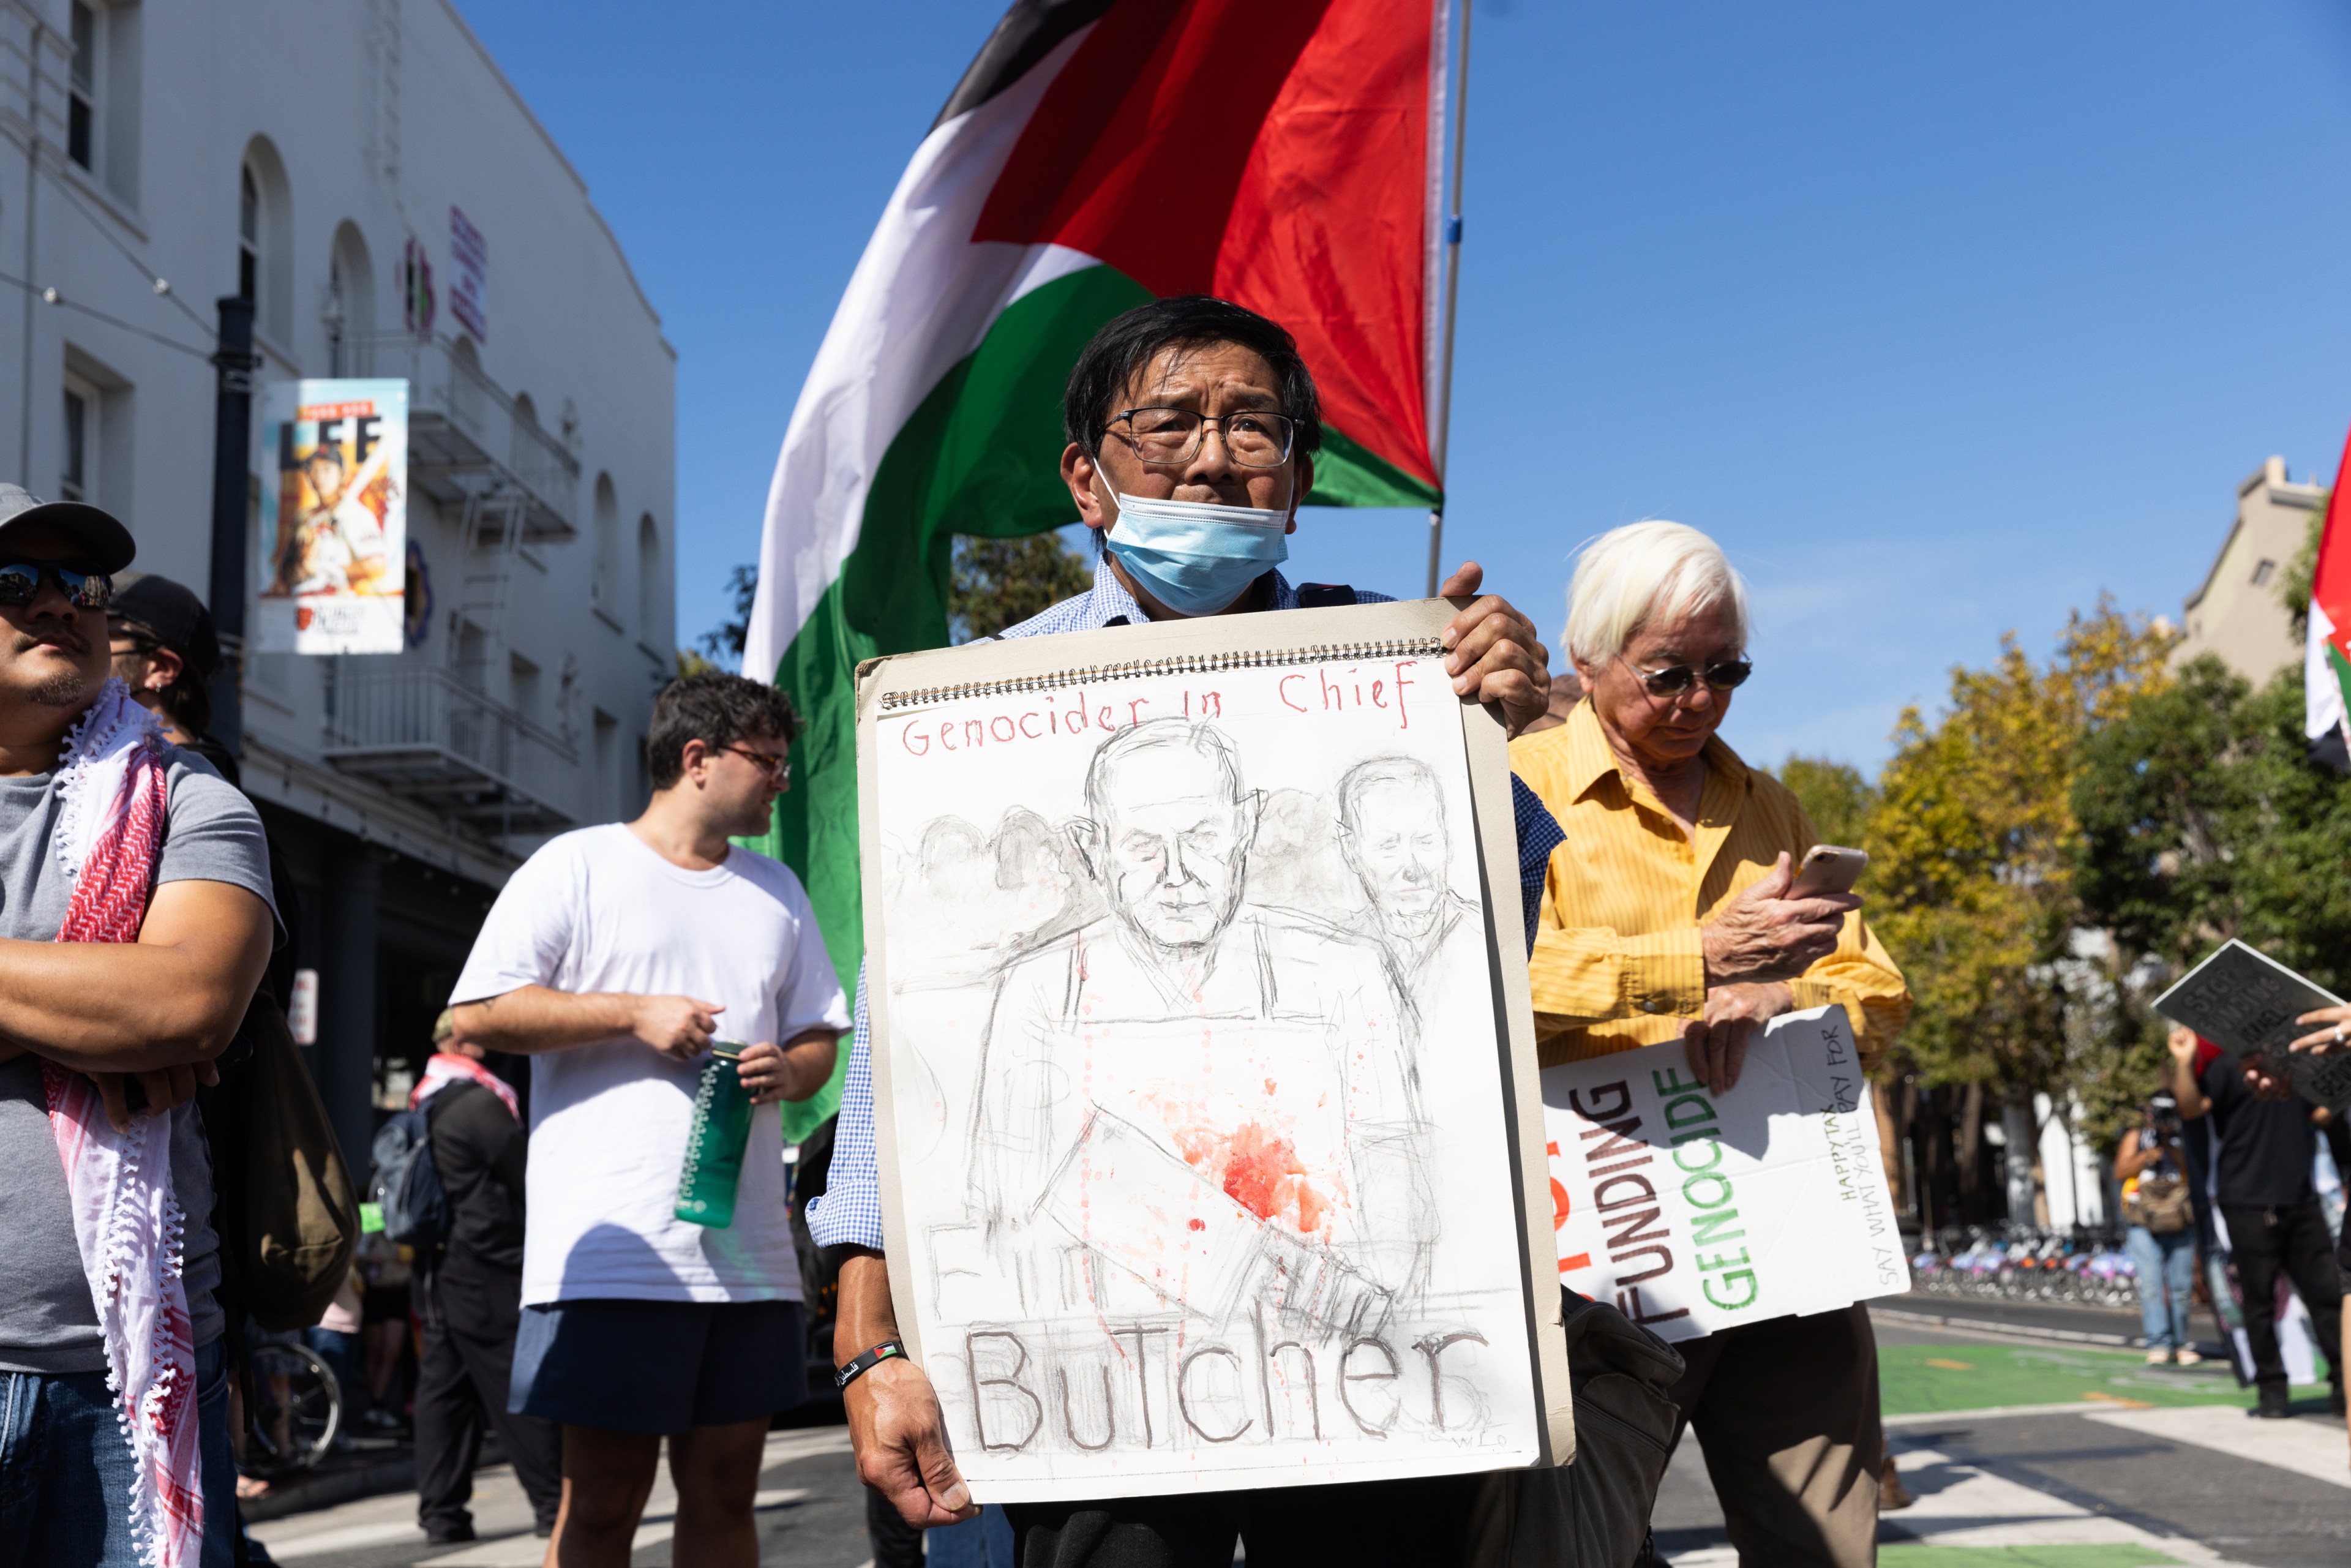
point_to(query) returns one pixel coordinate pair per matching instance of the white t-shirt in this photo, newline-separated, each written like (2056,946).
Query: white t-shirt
(597,910)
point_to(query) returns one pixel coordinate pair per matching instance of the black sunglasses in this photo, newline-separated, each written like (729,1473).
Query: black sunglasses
(1723,675)
(20,583)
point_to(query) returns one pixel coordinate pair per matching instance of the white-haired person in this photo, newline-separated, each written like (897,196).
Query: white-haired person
(1666,915)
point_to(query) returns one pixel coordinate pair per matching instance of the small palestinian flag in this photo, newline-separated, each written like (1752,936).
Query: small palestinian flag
(1098,154)
(2326,666)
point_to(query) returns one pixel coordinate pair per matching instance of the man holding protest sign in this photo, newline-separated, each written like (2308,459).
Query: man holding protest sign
(1192,425)
(1670,914)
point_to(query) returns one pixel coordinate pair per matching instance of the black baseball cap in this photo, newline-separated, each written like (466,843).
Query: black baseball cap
(107,542)
(175,616)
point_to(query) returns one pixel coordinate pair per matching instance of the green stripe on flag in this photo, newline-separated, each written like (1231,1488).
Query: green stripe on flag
(2342,668)
(981,454)
(1347,474)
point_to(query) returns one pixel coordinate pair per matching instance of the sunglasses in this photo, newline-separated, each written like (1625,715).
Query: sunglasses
(1724,676)
(20,583)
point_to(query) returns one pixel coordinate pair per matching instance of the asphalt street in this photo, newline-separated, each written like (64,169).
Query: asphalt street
(2095,1476)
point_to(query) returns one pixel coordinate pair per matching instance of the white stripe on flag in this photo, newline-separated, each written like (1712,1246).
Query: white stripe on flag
(922,296)
(2321,693)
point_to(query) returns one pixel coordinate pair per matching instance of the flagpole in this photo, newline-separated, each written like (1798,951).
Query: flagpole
(1452,293)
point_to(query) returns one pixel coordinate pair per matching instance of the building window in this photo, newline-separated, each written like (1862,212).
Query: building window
(603,587)
(2262,572)
(82,91)
(649,582)
(248,236)
(73,480)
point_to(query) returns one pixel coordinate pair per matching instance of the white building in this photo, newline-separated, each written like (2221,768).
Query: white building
(328,159)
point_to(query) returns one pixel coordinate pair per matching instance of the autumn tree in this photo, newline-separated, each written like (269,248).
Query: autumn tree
(1975,854)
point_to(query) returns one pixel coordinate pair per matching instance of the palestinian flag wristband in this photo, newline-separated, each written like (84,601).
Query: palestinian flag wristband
(858,1366)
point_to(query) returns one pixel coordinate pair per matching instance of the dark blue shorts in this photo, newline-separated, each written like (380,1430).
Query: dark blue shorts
(659,1366)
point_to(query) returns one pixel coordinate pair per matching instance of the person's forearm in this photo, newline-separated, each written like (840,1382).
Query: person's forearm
(1592,974)
(2188,1091)
(864,1316)
(533,1018)
(120,1007)
(808,1057)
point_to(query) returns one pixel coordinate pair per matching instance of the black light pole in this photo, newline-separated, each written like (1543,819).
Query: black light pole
(232,438)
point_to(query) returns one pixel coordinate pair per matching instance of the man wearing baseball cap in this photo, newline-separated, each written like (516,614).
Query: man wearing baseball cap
(135,918)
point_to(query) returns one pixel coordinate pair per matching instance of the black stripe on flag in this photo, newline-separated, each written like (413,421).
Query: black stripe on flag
(1028,32)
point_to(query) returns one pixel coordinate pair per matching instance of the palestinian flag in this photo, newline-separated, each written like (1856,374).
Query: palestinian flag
(2326,667)
(1098,153)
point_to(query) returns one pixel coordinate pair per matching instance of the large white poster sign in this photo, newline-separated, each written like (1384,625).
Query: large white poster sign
(1198,1105)
(1691,1212)
(334,518)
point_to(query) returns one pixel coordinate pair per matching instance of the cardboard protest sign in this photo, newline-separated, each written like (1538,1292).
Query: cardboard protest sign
(1204,1069)
(1690,1213)
(2245,1001)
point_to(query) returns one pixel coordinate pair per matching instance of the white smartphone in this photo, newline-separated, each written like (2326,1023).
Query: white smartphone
(1828,868)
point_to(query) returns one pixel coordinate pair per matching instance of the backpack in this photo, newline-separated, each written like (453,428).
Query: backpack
(408,1184)
(2159,1203)
(285,1208)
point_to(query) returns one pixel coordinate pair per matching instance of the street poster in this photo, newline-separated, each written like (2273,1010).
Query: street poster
(1201,1058)
(1691,1212)
(334,511)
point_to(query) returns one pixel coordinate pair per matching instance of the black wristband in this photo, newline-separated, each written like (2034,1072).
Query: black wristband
(858,1366)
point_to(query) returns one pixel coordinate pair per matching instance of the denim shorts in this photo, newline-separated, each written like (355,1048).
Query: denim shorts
(659,1366)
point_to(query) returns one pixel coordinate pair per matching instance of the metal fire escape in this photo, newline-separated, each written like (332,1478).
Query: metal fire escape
(433,731)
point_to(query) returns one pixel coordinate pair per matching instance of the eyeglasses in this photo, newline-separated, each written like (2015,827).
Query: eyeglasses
(20,583)
(1723,675)
(1171,435)
(778,768)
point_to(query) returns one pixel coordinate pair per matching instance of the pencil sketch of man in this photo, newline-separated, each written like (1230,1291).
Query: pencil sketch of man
(1212,1094)
(1394,835)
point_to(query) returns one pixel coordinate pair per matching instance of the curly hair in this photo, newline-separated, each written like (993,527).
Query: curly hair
(716,709)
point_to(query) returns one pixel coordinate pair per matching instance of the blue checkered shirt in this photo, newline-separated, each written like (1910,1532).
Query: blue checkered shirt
(849,1211)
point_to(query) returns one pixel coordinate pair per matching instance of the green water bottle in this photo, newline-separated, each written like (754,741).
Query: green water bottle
(715,1144)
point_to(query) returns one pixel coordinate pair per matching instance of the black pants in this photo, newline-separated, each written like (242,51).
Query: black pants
(2263,1240)
(1420,1523)
(461,1393)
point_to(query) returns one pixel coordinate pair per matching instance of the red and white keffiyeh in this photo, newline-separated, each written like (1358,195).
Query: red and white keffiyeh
(446,1067)
(126,1218)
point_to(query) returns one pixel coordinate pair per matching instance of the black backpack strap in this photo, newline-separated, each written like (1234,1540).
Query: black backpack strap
(1324,595)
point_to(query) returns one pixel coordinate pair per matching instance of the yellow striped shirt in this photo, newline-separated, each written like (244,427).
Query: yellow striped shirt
(1616,962)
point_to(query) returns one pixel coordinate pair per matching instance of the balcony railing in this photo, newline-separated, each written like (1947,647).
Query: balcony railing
(421,733)
(465,434)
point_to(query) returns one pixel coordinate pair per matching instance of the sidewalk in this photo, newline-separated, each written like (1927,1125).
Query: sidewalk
(812,1515)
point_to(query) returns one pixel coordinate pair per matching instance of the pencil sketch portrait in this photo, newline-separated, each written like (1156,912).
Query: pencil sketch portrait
(1194,1066)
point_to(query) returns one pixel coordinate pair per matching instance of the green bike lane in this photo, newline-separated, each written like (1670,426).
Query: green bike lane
(2036,1454)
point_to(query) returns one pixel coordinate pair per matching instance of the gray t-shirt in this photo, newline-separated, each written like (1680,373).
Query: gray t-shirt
(47,1321)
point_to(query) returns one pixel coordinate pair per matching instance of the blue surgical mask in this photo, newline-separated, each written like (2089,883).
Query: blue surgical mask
(1196,557)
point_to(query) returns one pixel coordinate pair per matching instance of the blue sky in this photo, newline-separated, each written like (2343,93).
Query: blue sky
(1943,319)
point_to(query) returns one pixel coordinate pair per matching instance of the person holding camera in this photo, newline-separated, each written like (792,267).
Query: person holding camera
(2262,1181)
(2153,1169)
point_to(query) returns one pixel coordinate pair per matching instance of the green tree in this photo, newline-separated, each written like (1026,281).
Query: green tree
(2204,819)
(996,583)
(1002,582)
(1975,852)
(1834,795)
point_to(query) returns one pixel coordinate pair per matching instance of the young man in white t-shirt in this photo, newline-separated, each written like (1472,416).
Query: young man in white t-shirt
(616,957)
